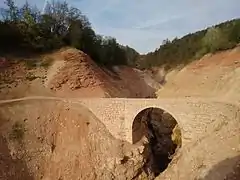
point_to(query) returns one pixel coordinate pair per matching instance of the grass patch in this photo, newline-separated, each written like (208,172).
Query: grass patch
(177,136)
(31,63)
(18,131)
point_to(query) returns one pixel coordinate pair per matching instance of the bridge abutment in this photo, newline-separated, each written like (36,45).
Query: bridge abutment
(194,116)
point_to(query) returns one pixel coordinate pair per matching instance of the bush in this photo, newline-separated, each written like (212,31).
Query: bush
(17,133)
(30,63)
(47,62)
(176,136)
(31,77)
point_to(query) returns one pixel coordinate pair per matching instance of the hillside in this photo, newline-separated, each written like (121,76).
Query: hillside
(70,73)
(181,51)
(65,112)
(25,30)
(214,75)
(57,140)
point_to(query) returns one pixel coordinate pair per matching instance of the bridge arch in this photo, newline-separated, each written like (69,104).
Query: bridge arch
(141,113)
(160,134)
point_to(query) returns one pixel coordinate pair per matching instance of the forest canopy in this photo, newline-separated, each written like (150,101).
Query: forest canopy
(193,46)
(28,29)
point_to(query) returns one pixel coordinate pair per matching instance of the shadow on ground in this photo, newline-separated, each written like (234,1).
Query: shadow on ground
(111,72)
(11,169)
(229,169)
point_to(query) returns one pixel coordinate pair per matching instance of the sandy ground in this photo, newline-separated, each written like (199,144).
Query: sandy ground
(67,133)
(61,141)
(212,76)
(49,139)
(65,142)
(71,73)
(217,156)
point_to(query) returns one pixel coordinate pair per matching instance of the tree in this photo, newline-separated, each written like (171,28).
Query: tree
(27,15)
(194,45)
(27,29)
(58,12)
(214,39)
(75,32)
(131,55)
(166,41)
(12,13)
(235,32)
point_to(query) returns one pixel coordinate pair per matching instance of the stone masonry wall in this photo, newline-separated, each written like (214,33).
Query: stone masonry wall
(194,116)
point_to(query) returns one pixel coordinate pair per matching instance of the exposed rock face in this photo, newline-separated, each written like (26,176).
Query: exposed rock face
(157,126)
(79,71)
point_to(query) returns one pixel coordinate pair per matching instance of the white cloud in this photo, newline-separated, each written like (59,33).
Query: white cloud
(144,24)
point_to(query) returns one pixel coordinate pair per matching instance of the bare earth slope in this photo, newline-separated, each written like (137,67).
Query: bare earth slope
(215,75)
(65,142)
(215,155)
(81,77)
(48,139)
(69,142)
(52,139)
(212,157)
(69,73)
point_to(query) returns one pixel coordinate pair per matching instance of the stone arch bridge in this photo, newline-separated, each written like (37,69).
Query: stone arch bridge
(196,117)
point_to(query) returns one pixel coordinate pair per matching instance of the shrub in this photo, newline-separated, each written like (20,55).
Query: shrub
(17,132)
(46,62)
(31,77)
(176,136)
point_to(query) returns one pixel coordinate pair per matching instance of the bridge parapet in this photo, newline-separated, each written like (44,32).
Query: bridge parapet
(194,116)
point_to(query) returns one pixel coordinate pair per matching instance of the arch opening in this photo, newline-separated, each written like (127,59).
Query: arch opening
(159,133)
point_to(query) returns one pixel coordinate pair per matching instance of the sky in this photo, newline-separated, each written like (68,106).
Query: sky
(144,24)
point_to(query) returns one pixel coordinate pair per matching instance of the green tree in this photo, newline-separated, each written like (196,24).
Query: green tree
(12,13)
(27,15)
(25,28)
(214,40)
(181,51)
(75,32)
(235,32)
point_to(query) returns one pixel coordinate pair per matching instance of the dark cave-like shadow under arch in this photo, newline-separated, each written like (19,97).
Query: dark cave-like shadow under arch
(158,127)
